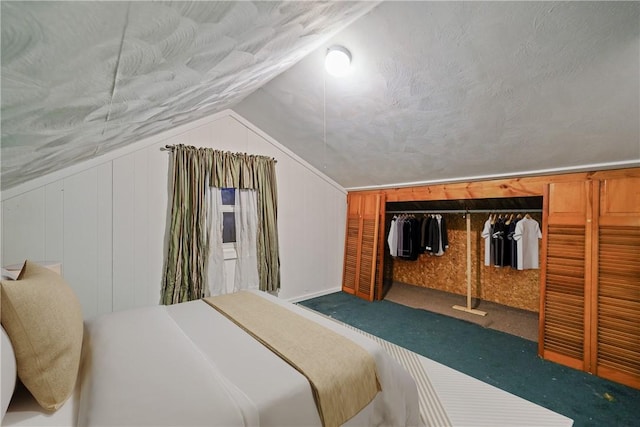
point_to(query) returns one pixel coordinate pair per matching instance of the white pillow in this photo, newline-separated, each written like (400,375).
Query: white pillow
(8,371)
(9,275)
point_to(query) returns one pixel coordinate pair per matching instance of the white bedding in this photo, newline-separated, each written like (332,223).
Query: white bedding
(187,364)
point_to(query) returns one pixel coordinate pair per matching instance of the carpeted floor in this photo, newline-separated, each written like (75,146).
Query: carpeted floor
(511,320)
(497,358)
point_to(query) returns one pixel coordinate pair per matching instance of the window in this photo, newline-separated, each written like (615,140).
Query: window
(228,216)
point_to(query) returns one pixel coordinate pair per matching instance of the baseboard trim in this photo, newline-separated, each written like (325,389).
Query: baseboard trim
(314,295)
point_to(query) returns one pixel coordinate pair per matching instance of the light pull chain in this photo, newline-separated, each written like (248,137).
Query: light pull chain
(324,119)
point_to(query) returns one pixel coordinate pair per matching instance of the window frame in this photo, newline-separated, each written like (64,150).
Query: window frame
(229,248)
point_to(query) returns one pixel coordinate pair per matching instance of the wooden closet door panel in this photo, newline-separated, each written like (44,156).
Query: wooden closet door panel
(381,286)
(351,259)
(370,215)
(352,244)
(361,245)
(563,331)
(568,202)
(620,202)
(565,279)
(354,202)
(616,320)
(366,272)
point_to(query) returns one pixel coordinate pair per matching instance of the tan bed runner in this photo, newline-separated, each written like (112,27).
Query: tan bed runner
(341,373)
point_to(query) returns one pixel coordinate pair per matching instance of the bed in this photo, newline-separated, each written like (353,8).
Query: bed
(190,364)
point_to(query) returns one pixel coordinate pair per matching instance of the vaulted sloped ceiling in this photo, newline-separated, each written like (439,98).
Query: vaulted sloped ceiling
(449,90)
(439,90)
(83,78)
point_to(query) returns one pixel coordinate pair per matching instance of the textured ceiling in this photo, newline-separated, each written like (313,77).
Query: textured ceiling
(82,78)
(446,90)
(438,91)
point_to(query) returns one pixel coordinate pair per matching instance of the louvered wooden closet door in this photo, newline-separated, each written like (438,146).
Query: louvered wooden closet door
(361,246)
(564,294)
(565,274)
(369,247)
(351,255)
(617,320)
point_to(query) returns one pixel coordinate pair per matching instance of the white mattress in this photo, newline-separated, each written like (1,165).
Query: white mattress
(187,364)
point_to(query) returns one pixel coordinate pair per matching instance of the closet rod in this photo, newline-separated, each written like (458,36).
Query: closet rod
(466,211)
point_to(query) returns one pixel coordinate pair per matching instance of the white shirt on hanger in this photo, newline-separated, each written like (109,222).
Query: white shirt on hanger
(392,239)
(486,235)
(526,235)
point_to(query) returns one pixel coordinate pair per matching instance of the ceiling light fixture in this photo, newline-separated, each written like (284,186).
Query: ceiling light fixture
(338,61)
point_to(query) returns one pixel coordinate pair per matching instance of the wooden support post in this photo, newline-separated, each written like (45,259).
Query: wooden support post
(468,308)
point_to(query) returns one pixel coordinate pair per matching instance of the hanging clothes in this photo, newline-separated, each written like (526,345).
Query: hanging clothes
(501,256)
(487,232)
(433,235)
(399,234)
(421,241)
(416,236)
(409,236)
(404,237)
(513,245)
(526,235)
(437,241)
(444,238)
(424,233)
(404,251)
(392,238)
(410,248)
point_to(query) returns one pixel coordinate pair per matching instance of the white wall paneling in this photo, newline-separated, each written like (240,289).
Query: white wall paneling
(54,226)
(337,213)
(141,208)
(291,228)
(315,196)
(311,223)
(105,237)
(106,222)
(123,233)
(80,237)
(23,227)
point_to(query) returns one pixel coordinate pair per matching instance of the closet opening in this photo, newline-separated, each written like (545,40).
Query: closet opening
(470,269)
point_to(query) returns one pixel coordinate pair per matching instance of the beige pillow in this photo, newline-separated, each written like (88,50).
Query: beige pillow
(43,319)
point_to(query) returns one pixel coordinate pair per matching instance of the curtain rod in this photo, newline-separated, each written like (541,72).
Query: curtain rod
(171,147)
(463,211)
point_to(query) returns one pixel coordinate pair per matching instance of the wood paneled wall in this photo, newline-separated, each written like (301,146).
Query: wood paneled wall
(509,187)
(503,285)
(589,280)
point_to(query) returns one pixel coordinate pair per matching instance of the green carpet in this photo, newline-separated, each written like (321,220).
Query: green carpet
(505,361)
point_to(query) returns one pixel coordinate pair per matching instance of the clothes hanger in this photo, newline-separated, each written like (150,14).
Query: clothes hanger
(508,221)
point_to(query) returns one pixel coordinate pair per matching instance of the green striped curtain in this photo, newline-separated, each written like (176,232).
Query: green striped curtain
(188,244)
(188,247)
